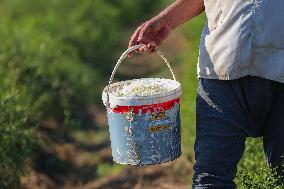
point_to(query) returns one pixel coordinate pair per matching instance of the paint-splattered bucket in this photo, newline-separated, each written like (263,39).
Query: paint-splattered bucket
(144,130)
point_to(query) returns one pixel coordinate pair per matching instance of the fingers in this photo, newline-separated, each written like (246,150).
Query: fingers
(134,38)
(151,44)
(152,48)
(143,49)
(146,34)
(149,48)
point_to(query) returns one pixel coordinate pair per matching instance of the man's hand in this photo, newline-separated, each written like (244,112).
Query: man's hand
(151,33)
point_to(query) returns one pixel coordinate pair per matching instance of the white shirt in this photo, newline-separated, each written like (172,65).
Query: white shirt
(242,37)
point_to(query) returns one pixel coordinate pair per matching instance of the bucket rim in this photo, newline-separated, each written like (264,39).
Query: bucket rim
(175,93)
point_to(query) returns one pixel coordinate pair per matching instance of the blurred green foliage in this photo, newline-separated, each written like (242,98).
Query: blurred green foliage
(263,178)
(15,131)
(253,155)
(54,55)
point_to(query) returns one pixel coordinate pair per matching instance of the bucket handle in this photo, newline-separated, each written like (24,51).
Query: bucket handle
(123,56)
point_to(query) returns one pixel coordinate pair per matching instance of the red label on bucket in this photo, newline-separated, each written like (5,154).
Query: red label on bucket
(145,108)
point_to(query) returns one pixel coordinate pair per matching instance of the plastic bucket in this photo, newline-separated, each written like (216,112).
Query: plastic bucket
(144,130)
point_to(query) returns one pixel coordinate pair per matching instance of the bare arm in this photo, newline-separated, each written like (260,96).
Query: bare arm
(182,11)
(153,32)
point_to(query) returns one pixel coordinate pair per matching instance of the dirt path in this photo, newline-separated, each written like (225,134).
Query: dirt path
(172,175)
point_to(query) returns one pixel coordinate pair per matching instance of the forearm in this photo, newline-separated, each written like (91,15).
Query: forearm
(153,32)
(182,11)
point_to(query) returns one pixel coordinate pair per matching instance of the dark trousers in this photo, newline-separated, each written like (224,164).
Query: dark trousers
(227,113)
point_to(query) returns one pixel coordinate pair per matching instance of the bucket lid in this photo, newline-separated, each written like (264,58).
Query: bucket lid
(174,92)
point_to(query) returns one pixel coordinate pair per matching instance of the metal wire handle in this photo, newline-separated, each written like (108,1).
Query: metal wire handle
(123,56)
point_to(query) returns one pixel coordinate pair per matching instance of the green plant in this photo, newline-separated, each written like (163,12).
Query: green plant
(16,128)
(253,155)
(54,56)
(262,178)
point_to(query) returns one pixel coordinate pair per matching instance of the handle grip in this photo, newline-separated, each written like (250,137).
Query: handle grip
(124,55)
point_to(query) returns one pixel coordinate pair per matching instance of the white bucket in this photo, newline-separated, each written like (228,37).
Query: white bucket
(144,129)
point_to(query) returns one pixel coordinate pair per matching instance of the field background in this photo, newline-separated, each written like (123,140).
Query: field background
(55,58)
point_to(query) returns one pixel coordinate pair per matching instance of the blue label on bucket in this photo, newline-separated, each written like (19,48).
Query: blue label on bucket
(150,137)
